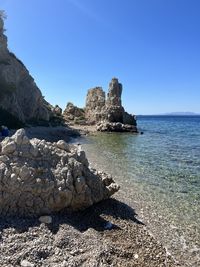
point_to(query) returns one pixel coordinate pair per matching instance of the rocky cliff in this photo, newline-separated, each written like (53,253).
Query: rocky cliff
(19,95)
(108,113)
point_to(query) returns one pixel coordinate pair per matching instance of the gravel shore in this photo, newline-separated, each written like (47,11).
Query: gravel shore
(82,239)
(106,234)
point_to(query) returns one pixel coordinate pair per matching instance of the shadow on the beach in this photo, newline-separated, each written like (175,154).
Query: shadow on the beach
(92,217)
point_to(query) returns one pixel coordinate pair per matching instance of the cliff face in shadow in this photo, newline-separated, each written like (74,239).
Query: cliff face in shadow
(19,94)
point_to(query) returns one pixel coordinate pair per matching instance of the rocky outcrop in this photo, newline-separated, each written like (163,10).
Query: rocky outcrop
(19,95)
(73,114)
(110,111)
(95,102)
(114,93)
(57,110)
(115,127)
(39,177)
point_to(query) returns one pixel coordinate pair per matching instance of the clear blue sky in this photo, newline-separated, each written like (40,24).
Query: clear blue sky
(69,46)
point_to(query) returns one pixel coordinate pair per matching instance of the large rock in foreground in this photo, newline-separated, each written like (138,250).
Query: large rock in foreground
(39,177)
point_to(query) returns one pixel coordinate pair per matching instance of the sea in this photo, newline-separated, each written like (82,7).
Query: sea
(159,175)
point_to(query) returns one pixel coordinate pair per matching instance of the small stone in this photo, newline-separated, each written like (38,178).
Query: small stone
(62,145)
(13,176)
(136,256)
(45,219)
(4,158)
(24,173)
(34,151)
(26,263)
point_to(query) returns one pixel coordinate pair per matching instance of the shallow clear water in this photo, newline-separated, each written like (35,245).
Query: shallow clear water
(159,172)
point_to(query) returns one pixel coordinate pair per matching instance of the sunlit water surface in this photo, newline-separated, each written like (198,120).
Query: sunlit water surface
(159,172)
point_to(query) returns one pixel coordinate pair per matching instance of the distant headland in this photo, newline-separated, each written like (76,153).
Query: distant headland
(179,113)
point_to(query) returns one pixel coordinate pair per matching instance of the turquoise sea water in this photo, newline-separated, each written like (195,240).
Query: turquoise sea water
(159,172)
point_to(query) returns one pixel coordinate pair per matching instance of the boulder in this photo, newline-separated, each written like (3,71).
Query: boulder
(56,176)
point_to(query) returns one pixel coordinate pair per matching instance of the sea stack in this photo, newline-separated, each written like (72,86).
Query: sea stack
(108,113)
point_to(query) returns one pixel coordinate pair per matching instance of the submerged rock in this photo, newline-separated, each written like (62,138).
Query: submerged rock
(39,177)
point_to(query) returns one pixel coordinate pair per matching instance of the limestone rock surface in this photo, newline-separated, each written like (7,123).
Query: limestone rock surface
(57,110)
(108,111)
(39,177)
(74,114)
(95,102)
(115,127)
(19,94)
(114,93)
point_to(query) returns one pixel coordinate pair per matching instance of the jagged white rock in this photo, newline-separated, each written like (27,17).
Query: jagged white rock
(39,177)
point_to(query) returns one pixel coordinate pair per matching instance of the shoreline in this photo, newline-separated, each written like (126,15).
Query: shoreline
(81,238)
(148,199)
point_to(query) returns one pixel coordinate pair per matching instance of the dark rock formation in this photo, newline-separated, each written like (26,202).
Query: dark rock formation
(115,127)
(19,95)
(72,114)
(39,177)
(108,111)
